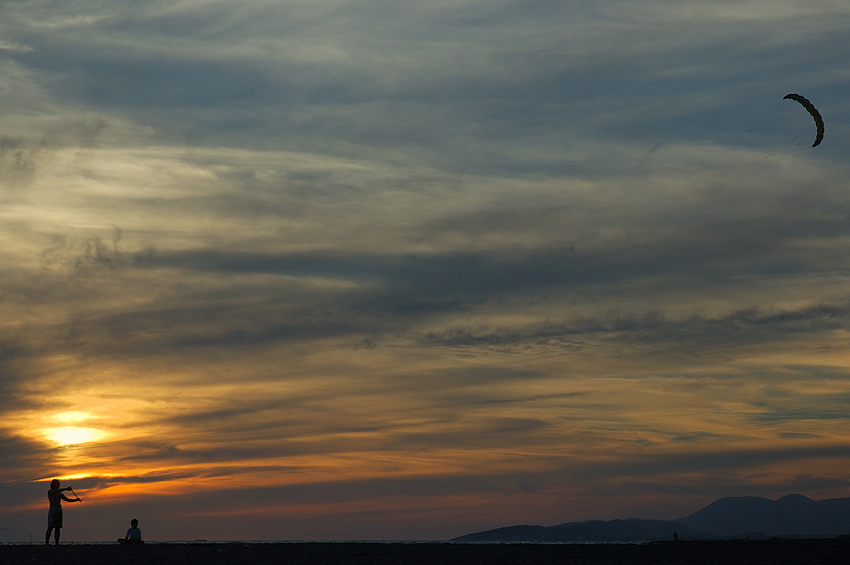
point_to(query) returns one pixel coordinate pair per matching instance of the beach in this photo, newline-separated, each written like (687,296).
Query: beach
(728,552)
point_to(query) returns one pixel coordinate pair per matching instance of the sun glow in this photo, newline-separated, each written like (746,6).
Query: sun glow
(72,416)
(70,435)
(70,428)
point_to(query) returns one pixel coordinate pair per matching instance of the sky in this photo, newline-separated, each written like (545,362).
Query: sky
(407,270)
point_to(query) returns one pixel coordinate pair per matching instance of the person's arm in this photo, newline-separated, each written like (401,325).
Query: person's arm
(66,498)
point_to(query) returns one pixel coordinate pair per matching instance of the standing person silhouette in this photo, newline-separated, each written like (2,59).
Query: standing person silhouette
(54,515)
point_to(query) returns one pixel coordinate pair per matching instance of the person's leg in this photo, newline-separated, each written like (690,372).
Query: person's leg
(56,532)
(47,536)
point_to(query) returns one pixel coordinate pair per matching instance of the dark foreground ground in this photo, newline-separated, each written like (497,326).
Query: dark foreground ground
(777,551)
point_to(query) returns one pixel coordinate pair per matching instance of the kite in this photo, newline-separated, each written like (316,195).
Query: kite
(813,111)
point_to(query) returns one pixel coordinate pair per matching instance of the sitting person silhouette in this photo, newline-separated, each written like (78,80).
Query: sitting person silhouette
(134,534)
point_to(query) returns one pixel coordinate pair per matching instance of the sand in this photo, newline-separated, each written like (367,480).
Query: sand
(777,551)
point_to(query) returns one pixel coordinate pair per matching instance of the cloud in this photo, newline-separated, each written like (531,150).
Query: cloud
(729,331)
(323,79)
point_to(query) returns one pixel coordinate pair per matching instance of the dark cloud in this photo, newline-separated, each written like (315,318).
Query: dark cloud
(449,276)
(713,462)
(735,329)
(20,456)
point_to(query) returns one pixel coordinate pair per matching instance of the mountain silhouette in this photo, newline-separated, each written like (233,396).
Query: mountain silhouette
(793,515)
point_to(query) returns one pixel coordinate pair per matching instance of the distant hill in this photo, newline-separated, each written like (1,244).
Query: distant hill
(793,515)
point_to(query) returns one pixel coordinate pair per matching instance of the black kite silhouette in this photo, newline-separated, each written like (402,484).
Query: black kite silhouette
(813,111)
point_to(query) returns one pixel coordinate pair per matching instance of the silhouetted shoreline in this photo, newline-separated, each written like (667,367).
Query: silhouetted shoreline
(729,552)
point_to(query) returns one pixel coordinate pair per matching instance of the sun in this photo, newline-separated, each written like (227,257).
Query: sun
(70,435)
(70,428)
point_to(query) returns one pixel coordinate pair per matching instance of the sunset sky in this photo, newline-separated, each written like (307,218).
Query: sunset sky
(396,269)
